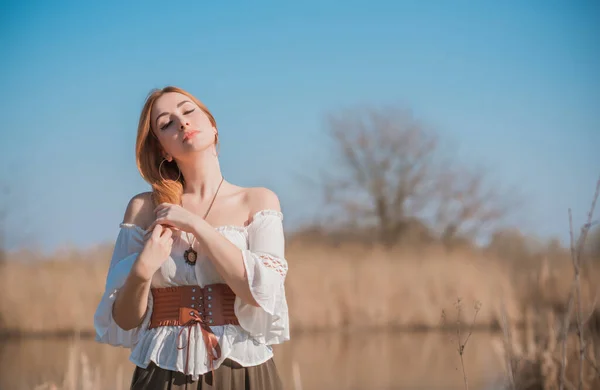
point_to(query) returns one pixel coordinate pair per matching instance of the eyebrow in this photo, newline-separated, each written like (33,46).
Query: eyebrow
(181,103)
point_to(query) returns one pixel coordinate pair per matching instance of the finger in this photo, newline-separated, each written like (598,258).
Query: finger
(167,234)
(167,238)
(160,221)
(166,223)
(150,229)
(149,233)
(156,231)
(168,241)
(161,207)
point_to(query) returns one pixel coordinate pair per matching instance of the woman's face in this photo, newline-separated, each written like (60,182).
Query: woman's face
(180,125)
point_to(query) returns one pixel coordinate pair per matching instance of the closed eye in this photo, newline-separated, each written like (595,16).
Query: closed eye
(166,125)
(189,111)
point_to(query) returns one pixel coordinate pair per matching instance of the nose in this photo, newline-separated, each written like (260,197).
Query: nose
(184,125)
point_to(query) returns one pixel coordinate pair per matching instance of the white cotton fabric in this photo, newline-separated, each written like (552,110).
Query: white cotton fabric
(249,344)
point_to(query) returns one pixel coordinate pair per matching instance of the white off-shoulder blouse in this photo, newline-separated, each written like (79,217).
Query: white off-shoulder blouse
(249,344)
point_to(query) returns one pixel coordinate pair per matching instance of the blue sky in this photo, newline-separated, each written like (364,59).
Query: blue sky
(515,87)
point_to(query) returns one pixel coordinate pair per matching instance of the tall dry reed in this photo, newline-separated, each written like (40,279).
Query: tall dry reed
(326,289)
(558,348)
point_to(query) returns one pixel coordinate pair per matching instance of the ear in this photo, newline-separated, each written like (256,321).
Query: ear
(167,157)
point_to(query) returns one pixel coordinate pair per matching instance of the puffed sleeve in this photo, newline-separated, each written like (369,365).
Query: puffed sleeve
(266,269)
(128,245)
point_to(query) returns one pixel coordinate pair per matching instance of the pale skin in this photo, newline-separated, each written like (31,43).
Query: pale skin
(187,136)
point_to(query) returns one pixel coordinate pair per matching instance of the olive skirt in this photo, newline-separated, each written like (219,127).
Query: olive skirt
(229,376)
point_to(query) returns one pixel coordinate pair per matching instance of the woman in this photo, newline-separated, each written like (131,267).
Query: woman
(196,283)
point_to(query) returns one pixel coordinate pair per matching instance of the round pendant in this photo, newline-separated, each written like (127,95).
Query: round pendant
(190,256)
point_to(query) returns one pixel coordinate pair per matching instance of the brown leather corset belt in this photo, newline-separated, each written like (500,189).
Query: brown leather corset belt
(186,306)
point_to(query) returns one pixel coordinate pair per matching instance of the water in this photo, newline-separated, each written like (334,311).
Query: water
(358,360)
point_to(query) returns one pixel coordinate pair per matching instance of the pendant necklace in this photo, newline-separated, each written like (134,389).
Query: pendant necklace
(190,255)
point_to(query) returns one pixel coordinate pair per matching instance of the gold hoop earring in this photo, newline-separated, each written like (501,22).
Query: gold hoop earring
(160,171)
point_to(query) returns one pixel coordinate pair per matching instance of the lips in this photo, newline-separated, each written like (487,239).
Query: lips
(190,134)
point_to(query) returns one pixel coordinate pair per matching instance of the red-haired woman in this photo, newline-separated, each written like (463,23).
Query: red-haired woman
(196,283)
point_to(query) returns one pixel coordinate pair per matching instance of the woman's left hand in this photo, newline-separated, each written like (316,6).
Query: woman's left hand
(175,216)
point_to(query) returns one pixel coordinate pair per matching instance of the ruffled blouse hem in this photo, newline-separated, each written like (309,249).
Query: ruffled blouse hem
(161,346)
(195,376)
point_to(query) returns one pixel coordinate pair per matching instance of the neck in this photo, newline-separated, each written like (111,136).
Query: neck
(202,174)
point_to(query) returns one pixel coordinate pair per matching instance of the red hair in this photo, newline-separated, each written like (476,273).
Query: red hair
(167,187)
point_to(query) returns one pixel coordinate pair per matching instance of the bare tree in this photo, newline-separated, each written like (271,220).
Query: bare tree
(466,204)
(389,174)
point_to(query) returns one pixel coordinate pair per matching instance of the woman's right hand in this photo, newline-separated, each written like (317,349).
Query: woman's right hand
(156,251)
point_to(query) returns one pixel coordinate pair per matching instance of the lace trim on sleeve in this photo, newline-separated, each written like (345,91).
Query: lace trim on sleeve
(274,263)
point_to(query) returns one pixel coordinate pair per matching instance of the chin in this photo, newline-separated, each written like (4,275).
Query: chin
(197,146)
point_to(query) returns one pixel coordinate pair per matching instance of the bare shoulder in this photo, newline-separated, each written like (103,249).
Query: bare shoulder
(261,198)
(140,210)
